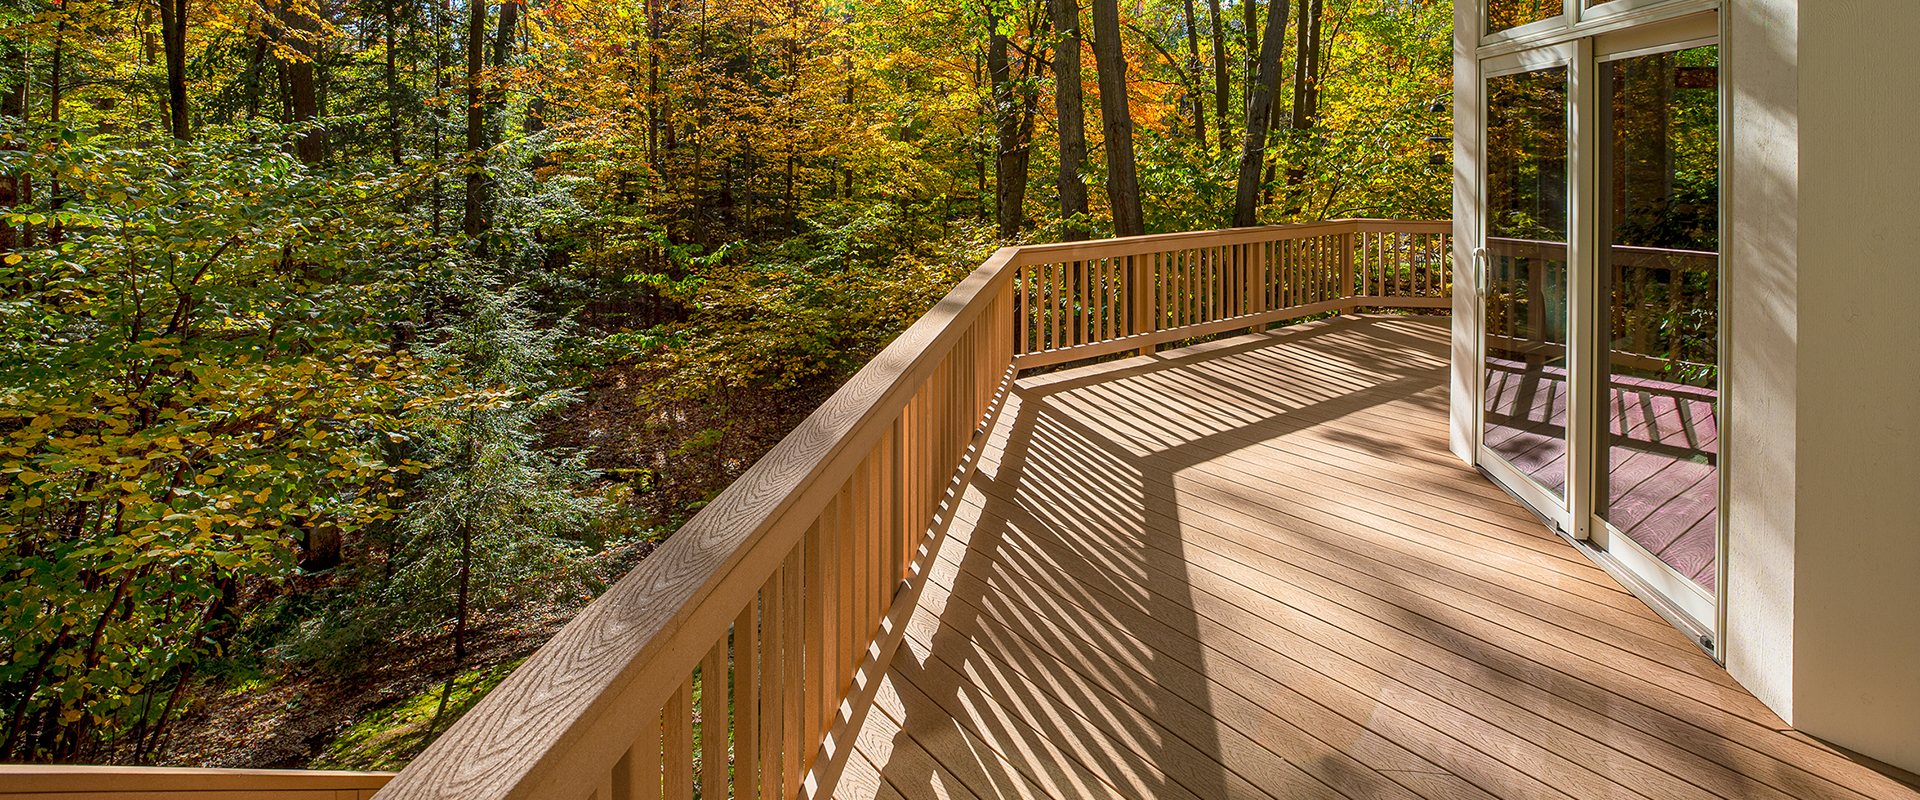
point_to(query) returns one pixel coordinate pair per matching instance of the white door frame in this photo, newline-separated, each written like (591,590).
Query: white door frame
(1556,512)
(1619,29)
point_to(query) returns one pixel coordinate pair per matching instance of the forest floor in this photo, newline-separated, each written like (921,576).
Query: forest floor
(673,457)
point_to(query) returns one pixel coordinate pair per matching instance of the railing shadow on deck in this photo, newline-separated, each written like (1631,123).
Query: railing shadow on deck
(1066,651)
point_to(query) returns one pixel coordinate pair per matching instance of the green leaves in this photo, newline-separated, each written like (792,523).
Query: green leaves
(198,373)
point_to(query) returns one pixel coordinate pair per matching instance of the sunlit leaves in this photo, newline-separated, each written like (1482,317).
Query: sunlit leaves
(194,378)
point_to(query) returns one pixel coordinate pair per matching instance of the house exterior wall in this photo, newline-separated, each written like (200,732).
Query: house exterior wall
(1856,647)
(1762,250)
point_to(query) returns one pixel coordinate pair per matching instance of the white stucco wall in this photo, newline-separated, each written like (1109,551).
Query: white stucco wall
(1759,432)
(1856,648)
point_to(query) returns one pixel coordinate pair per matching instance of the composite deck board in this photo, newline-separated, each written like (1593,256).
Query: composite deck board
(1250,569)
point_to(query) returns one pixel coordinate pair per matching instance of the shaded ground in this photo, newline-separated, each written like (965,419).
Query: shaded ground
(676,454)
(292,721)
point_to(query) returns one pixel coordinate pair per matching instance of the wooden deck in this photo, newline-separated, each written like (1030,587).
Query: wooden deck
(1251,569)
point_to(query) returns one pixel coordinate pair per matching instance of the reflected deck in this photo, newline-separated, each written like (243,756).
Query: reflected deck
(1661,472)
(1251,569)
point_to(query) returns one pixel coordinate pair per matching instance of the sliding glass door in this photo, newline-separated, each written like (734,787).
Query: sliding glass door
(1524,289)
(1659,271)
(1598,273)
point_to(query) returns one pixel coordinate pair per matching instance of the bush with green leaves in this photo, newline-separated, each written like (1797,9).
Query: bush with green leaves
(195,380)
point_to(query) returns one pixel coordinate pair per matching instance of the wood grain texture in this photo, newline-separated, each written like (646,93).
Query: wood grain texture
(1250,568)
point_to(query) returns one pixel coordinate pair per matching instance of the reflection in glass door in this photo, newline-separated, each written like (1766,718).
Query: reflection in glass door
(1525,284)
(1659,270)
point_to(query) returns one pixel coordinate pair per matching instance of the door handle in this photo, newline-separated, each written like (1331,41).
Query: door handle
(1480,272)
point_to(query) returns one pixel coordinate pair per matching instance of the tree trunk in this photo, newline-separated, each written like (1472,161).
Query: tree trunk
(55,92)
(441,22)
(13,103)
(173,36)
(503,45)
(393,88)
(1070,108)
(1116,120)
(1010,154)
(1250,28)
(298,32)
(1246,194)
(1194,94)
(56,69)
(846,167)
(460,600)
(1306,86)
(149,48)
(1220,81)
(653,84)
(473,214)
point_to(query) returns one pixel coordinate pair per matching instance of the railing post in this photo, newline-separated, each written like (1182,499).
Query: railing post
(1138,280)
(1346,268)
(1259,276)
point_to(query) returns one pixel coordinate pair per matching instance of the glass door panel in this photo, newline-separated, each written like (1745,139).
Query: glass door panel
(1659,269)
(1525,396)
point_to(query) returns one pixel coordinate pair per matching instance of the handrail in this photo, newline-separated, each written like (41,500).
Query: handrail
(1087,299)
(722,661)
(29,781)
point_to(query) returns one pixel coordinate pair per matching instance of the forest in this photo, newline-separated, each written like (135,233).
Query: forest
(348,347)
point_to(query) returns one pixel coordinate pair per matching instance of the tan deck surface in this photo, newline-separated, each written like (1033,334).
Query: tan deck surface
(1251,569)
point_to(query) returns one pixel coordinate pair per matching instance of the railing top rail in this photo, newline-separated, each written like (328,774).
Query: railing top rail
(1162,242)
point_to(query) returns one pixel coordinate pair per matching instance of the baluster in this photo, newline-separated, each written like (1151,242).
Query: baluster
(637,775)
(794,758)
(746,702)
(714,723)
(677,739)
(773,683)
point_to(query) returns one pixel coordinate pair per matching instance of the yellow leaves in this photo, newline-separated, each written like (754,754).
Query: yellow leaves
(15,258)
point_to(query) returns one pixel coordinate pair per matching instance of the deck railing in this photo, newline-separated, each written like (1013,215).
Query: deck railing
(1522,274)
(1083,299)
(730,662)
(719,667)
